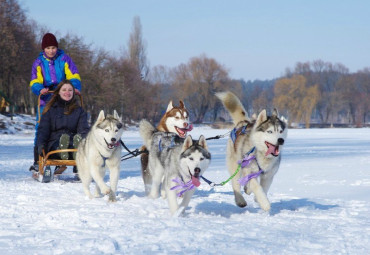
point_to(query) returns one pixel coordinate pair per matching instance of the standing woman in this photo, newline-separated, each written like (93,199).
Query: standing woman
(50,68)
(63,123)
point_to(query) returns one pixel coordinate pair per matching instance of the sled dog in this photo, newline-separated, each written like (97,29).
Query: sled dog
(101,149)
(256,146)
(175,120)
(179,162)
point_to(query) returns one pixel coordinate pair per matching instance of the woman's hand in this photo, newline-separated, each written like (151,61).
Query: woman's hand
(44,91)
(77,92)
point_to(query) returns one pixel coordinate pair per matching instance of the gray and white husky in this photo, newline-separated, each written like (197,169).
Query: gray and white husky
(176,161)
(256,146)
(101,149)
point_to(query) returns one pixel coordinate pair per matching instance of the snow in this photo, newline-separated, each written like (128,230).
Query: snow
(320,204)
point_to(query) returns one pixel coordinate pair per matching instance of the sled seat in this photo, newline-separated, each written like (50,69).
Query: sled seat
(45,161)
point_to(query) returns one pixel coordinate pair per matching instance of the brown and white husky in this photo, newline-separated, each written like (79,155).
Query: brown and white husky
(175,120)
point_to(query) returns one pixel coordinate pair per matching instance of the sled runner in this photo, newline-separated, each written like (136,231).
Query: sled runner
(45,173)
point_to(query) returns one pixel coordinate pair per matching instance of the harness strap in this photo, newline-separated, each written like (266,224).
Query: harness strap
(243,181)
(134,153)
(218,136)
(245,162)
(104,159)
(160,147)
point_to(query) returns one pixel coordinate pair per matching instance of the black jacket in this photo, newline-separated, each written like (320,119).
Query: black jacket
(54,123)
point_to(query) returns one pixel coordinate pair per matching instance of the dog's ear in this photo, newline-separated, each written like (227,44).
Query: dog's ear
(182,105)
(275,113)
(254,116)
(116,116)
(101,117)
(187,143)
(170,106)
(202,142)
(261,117)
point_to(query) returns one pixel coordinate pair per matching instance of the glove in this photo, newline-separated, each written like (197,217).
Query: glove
(40,149)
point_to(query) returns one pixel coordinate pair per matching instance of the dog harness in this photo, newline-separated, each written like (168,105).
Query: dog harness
(236,132)
(245,162)
(160,147)
(175,140)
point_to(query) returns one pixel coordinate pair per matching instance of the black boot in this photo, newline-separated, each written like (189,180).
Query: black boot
(75,171)
(35,166)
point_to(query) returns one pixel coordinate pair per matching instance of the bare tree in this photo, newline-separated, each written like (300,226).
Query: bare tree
(137,49)
(198,81)
(16,49)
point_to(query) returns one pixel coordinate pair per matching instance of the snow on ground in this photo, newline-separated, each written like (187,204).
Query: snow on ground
(320,204)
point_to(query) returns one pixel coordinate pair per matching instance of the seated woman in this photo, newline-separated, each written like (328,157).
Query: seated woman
(63,123)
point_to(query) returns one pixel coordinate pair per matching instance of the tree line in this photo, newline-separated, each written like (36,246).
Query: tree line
(311,92)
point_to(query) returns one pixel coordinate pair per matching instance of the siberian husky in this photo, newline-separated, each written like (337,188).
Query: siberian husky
(178,162)
(175,120)
(101,149)
(256,146)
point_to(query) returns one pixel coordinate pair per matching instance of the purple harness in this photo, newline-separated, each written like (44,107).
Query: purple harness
(245,162)
(184,186)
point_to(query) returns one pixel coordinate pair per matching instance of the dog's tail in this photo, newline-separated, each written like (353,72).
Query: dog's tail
(146,131)
(234,106)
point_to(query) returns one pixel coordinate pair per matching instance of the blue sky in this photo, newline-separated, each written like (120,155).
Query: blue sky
(252,39)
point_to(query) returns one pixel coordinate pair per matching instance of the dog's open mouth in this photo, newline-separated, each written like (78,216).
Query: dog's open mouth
(195,177)
(182,131)
(272,149)
(111,145)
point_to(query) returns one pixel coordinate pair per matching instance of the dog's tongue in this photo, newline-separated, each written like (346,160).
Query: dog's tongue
(195,181)
(271,149)
(189,128)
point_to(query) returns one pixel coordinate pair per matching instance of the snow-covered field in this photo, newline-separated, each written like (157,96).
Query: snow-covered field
(320,205)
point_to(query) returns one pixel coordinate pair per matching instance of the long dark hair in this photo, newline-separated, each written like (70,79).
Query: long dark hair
(73,103)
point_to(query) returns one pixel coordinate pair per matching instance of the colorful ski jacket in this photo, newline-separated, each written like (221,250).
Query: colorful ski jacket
(48,73)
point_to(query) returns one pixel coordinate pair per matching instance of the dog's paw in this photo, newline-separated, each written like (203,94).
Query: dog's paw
(241,204)
(112,197)
(265,205)
(240,201)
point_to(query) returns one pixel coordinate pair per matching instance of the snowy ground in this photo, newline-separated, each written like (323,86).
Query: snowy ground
(320,205)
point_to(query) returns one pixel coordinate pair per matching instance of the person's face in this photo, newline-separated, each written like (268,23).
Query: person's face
(50,51)
(66,92)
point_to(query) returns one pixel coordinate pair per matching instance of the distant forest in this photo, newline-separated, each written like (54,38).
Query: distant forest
(310,93)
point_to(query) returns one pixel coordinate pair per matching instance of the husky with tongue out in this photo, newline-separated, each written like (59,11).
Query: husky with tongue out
(254,146)
(175,163)
(98,152)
